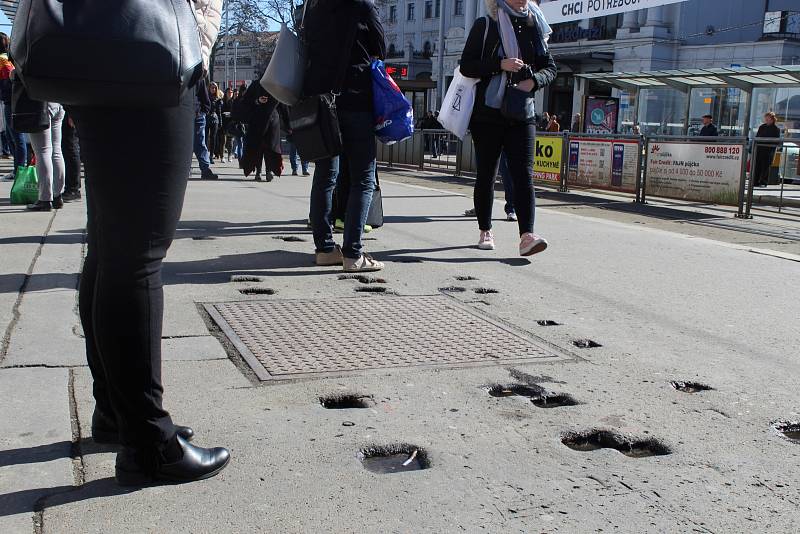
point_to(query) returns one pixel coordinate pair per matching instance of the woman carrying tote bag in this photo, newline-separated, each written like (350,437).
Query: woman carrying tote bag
(133,202)
(511,58)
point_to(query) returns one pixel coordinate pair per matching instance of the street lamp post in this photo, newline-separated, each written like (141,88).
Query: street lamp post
(235,60)
(440,81)
(225,44)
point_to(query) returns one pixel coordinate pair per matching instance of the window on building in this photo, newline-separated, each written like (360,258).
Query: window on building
(392,14)
(782,24)
(427,50)
(458,8)
(410,11)
(438,8)
(428,9)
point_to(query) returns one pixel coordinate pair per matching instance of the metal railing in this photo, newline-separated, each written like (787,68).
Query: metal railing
(710,170)
(786,151)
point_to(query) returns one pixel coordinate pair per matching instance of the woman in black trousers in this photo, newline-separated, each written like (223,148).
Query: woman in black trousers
(121,290)
(510,55)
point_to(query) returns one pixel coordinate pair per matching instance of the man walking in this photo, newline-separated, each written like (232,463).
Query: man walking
(709,128)
(202,106)
(294,157)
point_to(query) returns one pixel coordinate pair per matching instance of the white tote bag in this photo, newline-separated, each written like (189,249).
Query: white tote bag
(283,78)
(458,103)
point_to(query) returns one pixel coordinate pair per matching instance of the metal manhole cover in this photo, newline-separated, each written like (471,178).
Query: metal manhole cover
(291,339)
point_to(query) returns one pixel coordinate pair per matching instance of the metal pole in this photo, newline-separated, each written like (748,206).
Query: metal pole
(643,197)
(639,169)
(235,60)
(440,82)
(224,41)
(743,182)
(564,168)
(751,183)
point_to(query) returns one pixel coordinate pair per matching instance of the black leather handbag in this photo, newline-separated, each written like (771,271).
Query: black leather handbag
(518,105)
(27,116)
(315,128)
(120,53)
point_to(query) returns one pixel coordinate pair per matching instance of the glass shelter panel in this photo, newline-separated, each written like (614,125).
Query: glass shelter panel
(662,111)
(726,104)
(784,101)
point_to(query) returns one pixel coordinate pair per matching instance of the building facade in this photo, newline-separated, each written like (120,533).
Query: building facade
(246,54)
(694,34)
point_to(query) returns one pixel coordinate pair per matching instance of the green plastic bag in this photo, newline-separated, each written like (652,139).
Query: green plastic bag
(26,186)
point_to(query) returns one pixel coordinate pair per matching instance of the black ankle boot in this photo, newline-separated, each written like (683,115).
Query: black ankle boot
(105,431)
(58,202)
(41,205)
(179,461)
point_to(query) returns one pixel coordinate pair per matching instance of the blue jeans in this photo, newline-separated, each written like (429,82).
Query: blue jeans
(294,157)
(359,147)
(18,141)
(508,184)
(200,148)
(238,147)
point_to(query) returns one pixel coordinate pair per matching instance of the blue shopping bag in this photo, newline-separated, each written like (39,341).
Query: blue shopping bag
(394,116)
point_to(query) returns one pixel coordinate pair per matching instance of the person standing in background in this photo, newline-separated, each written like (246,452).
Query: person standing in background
(552,124)
(709,128)
(70,148)
(576,123)
(202,105)
(765,152)
(19,141)
(49,161)
(213,121)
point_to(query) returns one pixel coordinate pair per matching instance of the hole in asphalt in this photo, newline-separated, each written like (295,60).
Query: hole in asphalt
(605,439)
(398,458)
(372,289)
(485,290)
(453,289)
(362,278)
(789,430)
(547,322)
(539,396)
(203,238)
(554,401)
(345,402)
(289,238)
(690,387)
(257,291)
(465,278)
(586,344)
(245,278)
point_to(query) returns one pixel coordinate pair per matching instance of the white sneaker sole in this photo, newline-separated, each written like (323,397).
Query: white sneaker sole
(486,246)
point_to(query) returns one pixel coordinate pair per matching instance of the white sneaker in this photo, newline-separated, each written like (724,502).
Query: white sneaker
(364,264)
(470,212)
(531,244)
(511,217)
(486,240)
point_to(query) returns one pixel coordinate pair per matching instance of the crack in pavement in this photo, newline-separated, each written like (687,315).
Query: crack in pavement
(5,343)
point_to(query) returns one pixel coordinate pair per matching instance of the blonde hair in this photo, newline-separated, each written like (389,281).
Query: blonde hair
(771,114)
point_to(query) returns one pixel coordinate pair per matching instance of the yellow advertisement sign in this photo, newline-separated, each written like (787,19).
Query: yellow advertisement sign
(547,159)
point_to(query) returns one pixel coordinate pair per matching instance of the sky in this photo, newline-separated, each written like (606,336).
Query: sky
(5,25)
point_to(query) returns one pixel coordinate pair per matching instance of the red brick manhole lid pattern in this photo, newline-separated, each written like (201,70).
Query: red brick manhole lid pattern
(291,339)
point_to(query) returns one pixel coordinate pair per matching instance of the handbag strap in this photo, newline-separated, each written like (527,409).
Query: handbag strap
(485,35)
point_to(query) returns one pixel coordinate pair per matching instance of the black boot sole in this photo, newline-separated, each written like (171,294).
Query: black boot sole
(140,478)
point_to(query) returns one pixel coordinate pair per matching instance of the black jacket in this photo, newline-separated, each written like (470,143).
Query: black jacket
(341,38)
(479,60)
(709,130)
(768,130)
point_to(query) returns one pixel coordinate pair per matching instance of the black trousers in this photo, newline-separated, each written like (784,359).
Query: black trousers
(518,141)
(134,204)
(72,156)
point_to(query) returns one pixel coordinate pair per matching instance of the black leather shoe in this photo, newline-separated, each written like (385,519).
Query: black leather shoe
(41,205)
(196,463)
(104,430)
(69,196)
(58,203)
(208,175)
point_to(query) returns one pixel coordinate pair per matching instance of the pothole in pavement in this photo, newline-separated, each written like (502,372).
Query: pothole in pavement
(586,344)
(362,278)
(485,290)
(289,238)
(690,387)
(374,289)
(547,322)
(605,439)
(788,429)
(452,289)
(203,238)
(465,278)
(245,278)
(538,395)
(346,401)
(257,291)
(397,458)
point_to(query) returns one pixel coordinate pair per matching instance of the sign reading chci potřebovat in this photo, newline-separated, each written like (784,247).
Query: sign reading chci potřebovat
(694,171)
(568,10)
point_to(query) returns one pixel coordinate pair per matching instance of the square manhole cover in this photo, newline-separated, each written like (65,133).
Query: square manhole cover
(291,339)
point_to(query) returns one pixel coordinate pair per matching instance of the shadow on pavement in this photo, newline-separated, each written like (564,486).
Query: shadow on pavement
(12,283)
(35,500)
(50,452)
